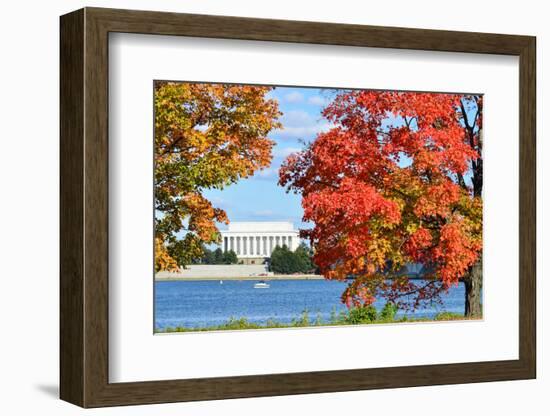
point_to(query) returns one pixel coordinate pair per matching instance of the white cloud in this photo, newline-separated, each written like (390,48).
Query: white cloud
(297,118)
(217,200)
(294,97)
(305,132)
(283,152)
(268,173)
(318,100)
(301,125)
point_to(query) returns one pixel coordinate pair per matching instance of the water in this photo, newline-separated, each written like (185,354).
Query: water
(206,303)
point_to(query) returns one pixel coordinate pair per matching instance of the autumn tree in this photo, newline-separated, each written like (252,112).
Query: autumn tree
(397,180)
(207,136)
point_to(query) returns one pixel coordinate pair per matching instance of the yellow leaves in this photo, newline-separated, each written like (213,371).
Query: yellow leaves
(163,260)
(203,217)
(206,136)
(378,250)
(411,228)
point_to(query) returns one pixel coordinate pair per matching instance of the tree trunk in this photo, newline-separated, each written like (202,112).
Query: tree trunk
(473,284)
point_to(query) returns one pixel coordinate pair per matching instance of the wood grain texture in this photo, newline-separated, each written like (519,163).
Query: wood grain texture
(527,207)
(84,207)
(71,218)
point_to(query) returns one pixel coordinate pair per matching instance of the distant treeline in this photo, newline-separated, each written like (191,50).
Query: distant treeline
(282,260)
(217,257)
(285,261)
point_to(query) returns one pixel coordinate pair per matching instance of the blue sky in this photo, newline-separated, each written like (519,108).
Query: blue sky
(259,198)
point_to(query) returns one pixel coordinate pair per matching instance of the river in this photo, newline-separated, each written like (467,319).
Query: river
(205,303)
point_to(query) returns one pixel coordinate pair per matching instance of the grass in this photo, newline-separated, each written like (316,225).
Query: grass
(354,316)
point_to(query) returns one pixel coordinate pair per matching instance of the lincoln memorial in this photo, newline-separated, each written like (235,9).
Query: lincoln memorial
(255,241)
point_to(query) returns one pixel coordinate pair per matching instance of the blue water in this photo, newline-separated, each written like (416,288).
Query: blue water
(205,303)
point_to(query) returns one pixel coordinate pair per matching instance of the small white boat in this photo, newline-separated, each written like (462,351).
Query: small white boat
(261,285)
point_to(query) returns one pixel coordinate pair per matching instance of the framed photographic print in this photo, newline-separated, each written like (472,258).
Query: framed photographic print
(255,207)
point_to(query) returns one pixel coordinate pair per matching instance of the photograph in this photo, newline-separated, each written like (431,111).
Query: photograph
(290,206)
(251,208)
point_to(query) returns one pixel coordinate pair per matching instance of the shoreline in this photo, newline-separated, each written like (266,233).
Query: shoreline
(265,278)
(166,278)
(305,321)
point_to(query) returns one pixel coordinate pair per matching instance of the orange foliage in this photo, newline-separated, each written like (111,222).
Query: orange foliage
(207,136)
(386,187)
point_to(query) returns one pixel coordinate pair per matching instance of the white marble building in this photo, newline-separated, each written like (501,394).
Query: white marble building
(255,241)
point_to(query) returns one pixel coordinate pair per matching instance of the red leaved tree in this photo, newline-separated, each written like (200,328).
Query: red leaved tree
(397,180)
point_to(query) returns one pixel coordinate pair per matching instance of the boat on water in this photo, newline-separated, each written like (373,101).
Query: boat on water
(261,285)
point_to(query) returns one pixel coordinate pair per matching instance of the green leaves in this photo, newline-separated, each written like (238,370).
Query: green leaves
(284,261)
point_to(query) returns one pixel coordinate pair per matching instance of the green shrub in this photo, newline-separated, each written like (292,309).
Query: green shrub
(230,257)
(388,312)
(284,261)
(448,316)
(302,320)
(318,320)
(361,315)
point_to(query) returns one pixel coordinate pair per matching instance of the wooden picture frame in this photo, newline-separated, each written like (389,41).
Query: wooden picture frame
(84,207)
